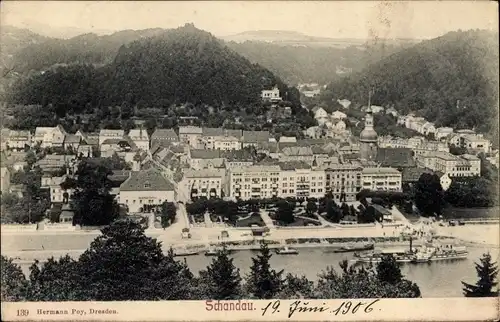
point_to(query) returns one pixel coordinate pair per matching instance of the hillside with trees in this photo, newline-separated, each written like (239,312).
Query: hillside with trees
(312,64)
(178,66)
(430,78)
(84,49)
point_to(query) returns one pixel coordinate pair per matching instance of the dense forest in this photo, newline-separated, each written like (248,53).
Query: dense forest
(303,64)
(431,77)
(86,48)
(177,66)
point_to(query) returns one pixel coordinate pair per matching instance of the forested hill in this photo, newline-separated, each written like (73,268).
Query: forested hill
(429,78)
(177,66)
(305,64)
(86,48)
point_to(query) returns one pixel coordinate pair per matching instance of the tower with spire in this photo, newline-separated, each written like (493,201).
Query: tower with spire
(368,138)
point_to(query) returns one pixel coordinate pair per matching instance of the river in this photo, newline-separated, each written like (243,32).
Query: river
(436,279)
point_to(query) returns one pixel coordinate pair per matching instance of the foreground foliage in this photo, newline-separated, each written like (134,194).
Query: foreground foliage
(487,272)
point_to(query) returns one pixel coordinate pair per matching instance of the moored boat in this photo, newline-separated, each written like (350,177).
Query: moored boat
(354,248)
(185,252)
(287,251)
(213,251)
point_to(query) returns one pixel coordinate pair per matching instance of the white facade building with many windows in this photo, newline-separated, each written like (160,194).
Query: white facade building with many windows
(254,182)
(381,179)
(207,183)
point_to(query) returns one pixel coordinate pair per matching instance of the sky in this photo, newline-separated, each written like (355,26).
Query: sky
(336,19)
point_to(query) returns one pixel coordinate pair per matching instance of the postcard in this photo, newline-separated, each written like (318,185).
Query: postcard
(249,160)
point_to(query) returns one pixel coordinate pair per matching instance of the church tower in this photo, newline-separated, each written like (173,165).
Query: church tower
(368,137)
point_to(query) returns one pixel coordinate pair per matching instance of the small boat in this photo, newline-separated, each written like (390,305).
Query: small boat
(185,252)
(213,251)
(353,248)
(287,251)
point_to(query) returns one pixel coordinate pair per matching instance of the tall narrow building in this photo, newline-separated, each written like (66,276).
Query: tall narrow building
(368,138)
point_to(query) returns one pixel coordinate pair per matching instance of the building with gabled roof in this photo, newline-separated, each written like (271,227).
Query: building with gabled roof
(140,138)
(145,190)
(164,137)
(205,159)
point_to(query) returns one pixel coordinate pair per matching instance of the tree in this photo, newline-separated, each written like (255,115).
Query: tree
(123,264)
(361,283)
(388,270)
(284,213)
(221,279)
(487,272)
(14,284)
(311,207)
(295,287)
(263,282)
(429,194)
(92,202)
(55,280)
(168,212)
(333,213)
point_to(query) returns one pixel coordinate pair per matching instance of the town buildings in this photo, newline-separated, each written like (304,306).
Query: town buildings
(140,138)
(455,166)
(254,182)
(110,134)
(204,183)
(343,181)
(271,95)
(381,179)
(164,137)
(145,189)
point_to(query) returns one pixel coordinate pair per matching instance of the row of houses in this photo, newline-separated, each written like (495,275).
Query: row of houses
(288,179)
(474,142)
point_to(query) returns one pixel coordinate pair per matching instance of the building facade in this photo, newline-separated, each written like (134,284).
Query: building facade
(254,182)
(343,181)
(381,179)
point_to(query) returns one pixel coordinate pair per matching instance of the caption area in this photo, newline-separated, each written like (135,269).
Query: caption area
(292,308)
(64,311)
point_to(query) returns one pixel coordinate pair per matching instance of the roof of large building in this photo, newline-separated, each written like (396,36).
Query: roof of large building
(107,132)
(71,138)
(395,157)
(204,173)
(297,150)
(257,168)
(209,131)
(148,180)
(292,165)
(205,154)
(190,130)
(167,134)
(380,171)
(413,174)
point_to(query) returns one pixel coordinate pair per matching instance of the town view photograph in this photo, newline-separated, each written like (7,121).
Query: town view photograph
(248,150)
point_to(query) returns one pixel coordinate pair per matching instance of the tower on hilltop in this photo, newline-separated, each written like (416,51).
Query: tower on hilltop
(368,137)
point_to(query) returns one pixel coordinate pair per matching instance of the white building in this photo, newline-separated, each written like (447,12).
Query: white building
(191,135)
(207,183)
(254,182)
(141,138)
(299,180)
(345,103)
(445,181)
(110,134)
(339,115)
(143,188)
(381,179)
(455,166)
(442,132)
(18,140)
(272,95)
(58,194)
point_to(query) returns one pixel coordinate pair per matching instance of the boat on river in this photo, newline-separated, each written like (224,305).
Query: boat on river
(351,248)
(213,251)
(185,252)
(287,251)
(418,255)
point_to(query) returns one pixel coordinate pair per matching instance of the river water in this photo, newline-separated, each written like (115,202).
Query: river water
(436,279)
